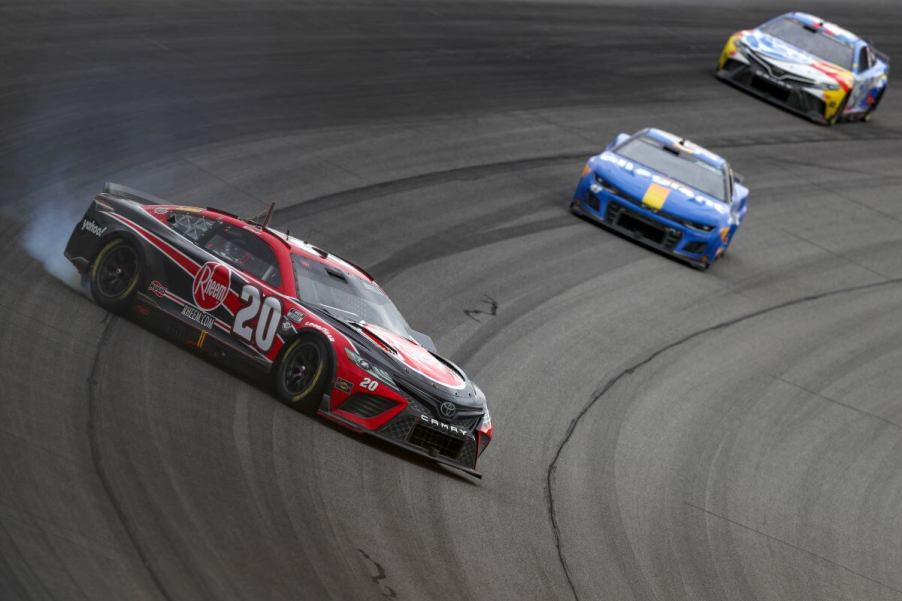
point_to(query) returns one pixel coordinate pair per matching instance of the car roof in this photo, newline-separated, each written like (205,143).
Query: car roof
(826,27)
(279,239)
(669,139)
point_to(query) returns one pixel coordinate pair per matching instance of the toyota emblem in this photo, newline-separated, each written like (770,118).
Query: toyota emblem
(447,409)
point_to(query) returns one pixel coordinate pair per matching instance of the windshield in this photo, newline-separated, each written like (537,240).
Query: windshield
(346,297)
(820,45)
(682,166)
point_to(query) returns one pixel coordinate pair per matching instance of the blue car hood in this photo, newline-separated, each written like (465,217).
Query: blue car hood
(636,181)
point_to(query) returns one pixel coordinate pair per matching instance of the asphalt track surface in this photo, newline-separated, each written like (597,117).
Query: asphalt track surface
(660,433)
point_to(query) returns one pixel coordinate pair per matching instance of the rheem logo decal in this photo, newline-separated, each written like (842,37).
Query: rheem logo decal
(211,285)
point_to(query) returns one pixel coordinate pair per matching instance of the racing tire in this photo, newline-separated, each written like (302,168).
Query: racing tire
(303,373)
(870,113)
(115,274)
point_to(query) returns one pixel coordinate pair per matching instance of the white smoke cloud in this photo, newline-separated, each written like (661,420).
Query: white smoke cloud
(48,221)
(45,239)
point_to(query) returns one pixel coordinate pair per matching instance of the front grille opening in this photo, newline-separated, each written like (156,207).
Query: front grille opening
(695,247)
(770,88)
(435,442)
(643,228)
(367,406)
(733,65)
(592,202)
(427,403)
(468,454)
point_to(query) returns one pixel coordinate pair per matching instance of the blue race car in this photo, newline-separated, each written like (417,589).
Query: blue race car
(665,192)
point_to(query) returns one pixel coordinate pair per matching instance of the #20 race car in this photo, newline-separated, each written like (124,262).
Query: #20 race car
(808,66)
(265,303)
(665,192)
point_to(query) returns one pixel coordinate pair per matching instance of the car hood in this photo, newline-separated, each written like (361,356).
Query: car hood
(414,357)
(657,191)
(414,368)
(785,57)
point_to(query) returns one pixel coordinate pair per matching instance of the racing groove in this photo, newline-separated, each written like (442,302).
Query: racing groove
(661,433)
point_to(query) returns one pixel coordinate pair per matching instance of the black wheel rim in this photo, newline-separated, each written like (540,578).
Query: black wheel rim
(303,369)
(118,271)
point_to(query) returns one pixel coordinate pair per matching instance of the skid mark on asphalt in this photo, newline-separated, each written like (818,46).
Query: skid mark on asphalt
(109,321)
(352,196)
(385,591)
(792,546)
(606,386)
(491,309)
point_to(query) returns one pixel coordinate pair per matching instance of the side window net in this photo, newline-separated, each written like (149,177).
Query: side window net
(191,226)
(864,60)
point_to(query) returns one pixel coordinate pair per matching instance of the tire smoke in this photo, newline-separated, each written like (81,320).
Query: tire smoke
(45,235)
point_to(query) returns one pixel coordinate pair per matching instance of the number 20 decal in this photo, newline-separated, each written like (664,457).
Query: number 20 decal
(369,384)
(268,314)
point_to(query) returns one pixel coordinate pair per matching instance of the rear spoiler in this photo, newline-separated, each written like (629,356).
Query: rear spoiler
(131,194)
(882,56)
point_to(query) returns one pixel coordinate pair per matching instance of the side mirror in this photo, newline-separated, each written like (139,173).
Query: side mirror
(424,340)
(740,194)
(738,178)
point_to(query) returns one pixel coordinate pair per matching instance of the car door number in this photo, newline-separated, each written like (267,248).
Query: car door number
(369,384)
(268,314)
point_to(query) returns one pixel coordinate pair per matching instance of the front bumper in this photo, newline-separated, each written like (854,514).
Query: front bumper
(417,430)
(817,106)
(650,228)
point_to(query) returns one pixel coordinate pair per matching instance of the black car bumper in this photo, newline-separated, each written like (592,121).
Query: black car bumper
(784,94)
(417,433)
(628,222)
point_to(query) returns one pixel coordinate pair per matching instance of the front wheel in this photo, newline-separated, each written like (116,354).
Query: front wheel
(303,373)
(867,115)
(838,116)
(115,274)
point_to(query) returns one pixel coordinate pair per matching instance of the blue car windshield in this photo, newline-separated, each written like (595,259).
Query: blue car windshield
(344,296)
(817,43)
(681,166)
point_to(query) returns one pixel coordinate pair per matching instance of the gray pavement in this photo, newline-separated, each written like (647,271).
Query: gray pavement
(660,433)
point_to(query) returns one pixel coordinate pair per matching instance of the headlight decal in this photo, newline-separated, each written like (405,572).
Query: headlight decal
(369,368)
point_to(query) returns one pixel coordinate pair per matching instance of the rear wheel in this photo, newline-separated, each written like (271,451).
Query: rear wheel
(303,373)
(115,274)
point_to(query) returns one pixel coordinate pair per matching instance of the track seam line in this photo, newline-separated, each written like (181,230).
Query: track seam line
(838,402)
(609,384)
(27,566)
(840,256)
(98,462)
(792,545)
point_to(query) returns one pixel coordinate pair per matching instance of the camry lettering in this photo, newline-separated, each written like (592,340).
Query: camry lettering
(436,423)
(92,227)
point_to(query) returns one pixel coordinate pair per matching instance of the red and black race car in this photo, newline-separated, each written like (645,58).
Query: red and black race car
(262,302)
